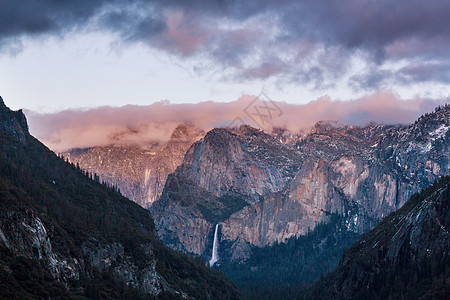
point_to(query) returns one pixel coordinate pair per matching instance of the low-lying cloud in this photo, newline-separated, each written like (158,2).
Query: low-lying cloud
(142,125)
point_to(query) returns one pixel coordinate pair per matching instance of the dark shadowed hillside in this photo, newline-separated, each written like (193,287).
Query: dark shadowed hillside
(65,235)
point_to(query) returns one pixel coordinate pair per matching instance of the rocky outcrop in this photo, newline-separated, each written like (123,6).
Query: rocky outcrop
(14,122)
(24,234)
(112,257)
(249,163)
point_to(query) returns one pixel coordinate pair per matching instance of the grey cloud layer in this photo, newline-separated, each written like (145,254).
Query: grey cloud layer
(300,41)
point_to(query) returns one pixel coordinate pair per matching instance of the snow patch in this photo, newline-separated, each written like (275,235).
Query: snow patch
(439,132)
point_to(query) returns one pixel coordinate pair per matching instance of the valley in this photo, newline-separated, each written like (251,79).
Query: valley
(262,192)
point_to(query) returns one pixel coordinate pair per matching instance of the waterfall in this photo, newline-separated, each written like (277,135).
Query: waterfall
(214,256)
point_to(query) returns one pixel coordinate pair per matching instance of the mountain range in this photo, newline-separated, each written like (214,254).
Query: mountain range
(262,191)
(267,190)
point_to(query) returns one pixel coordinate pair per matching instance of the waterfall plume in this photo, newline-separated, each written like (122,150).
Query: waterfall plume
(214,256)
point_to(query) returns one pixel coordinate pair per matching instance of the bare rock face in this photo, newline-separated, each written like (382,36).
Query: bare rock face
(165,162)
(25,234)
(112,257)
(362,174)
(139,172)
(250,163)
(185,213)
(220,175)
(117,165)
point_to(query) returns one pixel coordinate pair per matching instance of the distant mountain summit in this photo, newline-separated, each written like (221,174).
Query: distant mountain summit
(139,172)
(65,235)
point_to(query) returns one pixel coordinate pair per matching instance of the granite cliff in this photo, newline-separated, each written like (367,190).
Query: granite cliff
(263,191)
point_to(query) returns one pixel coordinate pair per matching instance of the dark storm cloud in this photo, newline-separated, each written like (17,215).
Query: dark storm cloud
(32,17)
(370,79)
(375,79)
(351,23)
(259,39)
(422,72)
(375,24)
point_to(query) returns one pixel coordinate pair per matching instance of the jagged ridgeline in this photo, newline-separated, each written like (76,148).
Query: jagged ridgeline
(64,235)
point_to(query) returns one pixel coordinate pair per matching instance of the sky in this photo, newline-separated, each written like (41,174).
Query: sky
(59,55)
(96,72)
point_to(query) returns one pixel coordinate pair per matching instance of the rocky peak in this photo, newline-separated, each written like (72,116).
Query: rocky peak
(324,126)
(180,140)
(287,137)
(247,130)
(184,131)
(252,162)
(13,122)
(218,144)
(2,104)
(219,134)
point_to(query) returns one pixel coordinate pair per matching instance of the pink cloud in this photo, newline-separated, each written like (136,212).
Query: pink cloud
(154,123)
